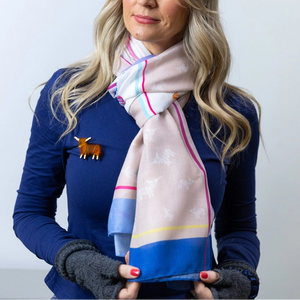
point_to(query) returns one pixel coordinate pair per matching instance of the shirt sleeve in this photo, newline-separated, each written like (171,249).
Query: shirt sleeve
(235,225)
(42,182)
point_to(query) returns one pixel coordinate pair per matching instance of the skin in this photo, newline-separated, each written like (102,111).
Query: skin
(201,290)
(167,31)
(131,289)
(157,37)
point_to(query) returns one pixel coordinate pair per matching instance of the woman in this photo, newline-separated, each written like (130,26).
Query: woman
(176,52)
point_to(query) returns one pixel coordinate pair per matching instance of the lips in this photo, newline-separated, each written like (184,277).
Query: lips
(145,19)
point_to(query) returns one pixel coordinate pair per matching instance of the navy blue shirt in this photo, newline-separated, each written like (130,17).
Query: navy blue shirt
(53,163)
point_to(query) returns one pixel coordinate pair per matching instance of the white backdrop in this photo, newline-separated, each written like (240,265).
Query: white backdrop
(38,37)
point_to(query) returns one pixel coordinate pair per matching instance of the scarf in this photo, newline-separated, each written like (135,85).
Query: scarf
(161,210)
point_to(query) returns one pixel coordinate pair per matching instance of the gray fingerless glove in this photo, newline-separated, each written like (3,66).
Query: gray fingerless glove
(80,261)
(238,280)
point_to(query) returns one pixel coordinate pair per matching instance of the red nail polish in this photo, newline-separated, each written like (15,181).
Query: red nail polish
(135,272)
(204,275)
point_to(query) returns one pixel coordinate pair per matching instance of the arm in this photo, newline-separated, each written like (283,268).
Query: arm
(42,183)
(235,226)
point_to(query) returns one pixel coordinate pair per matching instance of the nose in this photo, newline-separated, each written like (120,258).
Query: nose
(147,3)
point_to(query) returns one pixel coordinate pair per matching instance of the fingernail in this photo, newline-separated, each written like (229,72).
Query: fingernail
(135,272)
(204,275)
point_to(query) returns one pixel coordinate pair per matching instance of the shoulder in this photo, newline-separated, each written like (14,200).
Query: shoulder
(56,81)
(60,78)
(242,105)
(246,107)
(237,102)
(44,117)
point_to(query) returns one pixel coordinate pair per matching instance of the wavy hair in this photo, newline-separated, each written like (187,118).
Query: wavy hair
(206,46)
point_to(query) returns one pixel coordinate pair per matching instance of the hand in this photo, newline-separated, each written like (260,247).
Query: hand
(201,291)
(131,289)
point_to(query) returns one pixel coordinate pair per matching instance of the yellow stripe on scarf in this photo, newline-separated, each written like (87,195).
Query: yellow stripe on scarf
(168,228)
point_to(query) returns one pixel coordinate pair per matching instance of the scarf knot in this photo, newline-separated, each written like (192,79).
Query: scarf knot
(151,84)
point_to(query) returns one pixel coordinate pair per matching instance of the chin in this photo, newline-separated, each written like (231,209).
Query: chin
(141,36)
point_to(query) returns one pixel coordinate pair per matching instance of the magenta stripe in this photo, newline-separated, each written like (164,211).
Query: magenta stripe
(112,86)
(125,187)
(143,86)
(200,166)
(126,60)
(130,49)
(195,158)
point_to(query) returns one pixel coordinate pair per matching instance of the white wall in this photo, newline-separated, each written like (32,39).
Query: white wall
(38,37)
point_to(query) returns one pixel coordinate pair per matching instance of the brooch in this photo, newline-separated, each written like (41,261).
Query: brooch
(86,149)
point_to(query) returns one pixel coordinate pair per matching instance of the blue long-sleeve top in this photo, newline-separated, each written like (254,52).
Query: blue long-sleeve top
(53,163)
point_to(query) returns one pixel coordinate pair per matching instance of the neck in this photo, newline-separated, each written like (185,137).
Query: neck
(159,47)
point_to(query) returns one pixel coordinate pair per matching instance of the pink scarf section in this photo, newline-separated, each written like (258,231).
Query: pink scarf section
(161,199)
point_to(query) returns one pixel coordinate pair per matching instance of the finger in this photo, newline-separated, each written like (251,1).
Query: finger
(209,276)
(130,291)
(128,272)
(201,291)
(127,258)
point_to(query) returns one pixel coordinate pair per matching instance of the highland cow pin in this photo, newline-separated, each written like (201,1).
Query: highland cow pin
(86,149)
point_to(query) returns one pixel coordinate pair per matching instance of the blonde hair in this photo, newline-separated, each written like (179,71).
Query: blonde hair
(206,46)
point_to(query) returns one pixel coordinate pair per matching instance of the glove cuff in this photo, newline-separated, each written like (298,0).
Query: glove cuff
(246,270)
(67,250)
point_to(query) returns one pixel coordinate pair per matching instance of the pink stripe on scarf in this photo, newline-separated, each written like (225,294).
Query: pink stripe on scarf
(124,187)
(205,177)
(130,49)
(125,60)
(143,86)
(112,86)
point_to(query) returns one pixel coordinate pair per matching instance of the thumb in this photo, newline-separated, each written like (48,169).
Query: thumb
(209,276)
(127,258)
(128,272)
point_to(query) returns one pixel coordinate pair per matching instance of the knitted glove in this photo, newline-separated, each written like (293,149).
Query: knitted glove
(238,280)
(80,261)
